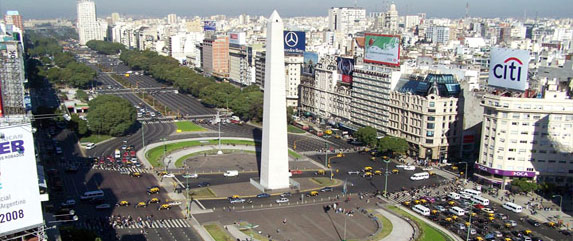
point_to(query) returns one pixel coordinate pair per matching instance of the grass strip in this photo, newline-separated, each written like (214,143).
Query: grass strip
(429,233)
(218,233)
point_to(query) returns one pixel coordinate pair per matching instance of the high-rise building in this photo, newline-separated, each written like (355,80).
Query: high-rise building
(438,34)
(14,18)
(527,138)
(347,20)
(172,18)
(115,18)
(88,27)
(215,56)
(241,64)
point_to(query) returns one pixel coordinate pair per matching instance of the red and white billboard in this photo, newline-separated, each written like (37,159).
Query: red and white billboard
(382,49)
(237,38)
(20,207)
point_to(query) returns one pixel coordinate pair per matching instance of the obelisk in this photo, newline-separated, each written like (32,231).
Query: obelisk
(274,155)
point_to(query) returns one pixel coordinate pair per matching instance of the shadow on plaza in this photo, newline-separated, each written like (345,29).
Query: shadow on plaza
(258,135)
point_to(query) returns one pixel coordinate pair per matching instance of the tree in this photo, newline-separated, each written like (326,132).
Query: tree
(111,115)
(290,112)
(392,144)
(104,47)
(366,135)
(524,185)
(82,95)
(78,125)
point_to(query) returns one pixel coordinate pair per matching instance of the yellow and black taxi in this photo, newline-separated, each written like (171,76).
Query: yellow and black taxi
(123,203)
(136,174)
(164,207)
(153,190)
(162,173)
(154,200)
(313,193)
(141,205)
(395,171)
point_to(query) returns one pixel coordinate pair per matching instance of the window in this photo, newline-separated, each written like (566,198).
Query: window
(511,158)
(431,118)
(430,125)
(511,149)
(429,133)
(522,141)
(429,141)
(514,123)
(432,104)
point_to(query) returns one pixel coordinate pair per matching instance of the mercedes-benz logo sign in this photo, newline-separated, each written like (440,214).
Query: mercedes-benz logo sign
(291,39)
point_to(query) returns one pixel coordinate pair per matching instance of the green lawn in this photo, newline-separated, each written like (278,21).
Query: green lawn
(203,192)
(324,181)
(188,126)
(95,138)
(179,162)
(386,227)
(218,233)
(294,129)
(429,233)
(294,154)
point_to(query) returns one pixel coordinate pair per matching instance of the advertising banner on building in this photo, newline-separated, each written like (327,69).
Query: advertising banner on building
(508,68)
(237,38)
(310,61)
(209,26)
(345,68)
(19,193)
(295,41)
(382,49)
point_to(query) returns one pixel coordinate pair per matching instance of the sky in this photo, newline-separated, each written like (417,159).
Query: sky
(42,9)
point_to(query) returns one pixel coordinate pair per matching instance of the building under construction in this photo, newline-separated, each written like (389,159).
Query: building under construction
(12,77)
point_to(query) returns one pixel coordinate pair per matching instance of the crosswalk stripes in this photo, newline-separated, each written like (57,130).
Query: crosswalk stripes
(120,169)
(165,223)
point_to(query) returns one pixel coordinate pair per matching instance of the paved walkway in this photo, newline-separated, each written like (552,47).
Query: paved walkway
(401,230)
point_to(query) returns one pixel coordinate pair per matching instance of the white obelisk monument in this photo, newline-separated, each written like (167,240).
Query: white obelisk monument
(274,154)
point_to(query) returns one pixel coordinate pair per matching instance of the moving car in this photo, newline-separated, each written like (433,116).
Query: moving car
(282,200)
(353,172)
(231,173)
(263,195)
(152,190)
(286,194)
(171,175)
(237,200)
(203,184)
(68,203)
(533,222)
(191,175)
(154,200)
(141,205)
(409,168)
(122,203)
(326,189)
(164,207)
(103,206)
(487,210)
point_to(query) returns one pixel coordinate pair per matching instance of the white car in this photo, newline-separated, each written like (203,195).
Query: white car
(169,175)
(400,166)
(90,146)
(427,168)
(282,200)
(409,168)
(192,175)
(353,172)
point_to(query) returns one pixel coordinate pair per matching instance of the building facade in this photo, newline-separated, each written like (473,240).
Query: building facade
(88,27)
(347,20)
(428,114)
(293,68)
(14,18)
(323,95)
(527,138)
(12,78)
(240,64)
(215,56)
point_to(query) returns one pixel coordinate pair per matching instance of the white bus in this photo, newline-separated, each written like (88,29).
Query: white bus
(92,194)
(421,210)
(471,192)
(457,211)
(454,195)
(480,200)
(512,207)
(420,176)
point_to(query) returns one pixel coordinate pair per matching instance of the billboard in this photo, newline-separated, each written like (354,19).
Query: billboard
(508,68)
(209,26)
(295,41)
(382,49)
(310,61)
(237,38)
(345,68)
(19,193)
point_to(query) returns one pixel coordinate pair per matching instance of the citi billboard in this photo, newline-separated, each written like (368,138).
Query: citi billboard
(508,68)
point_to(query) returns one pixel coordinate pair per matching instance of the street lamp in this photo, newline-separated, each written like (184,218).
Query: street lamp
(164,151)
(470,226)
(387,161)
(218,120)
(560,200)
(187,176)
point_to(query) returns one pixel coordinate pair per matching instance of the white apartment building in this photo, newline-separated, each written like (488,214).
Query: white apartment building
(428,114)
(438,34)
(527,137)
(347,20)
(88,27)
(323,95)
(293,67)
(371,87)
(240,64)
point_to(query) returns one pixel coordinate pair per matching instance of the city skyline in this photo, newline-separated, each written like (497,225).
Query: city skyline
(31,9)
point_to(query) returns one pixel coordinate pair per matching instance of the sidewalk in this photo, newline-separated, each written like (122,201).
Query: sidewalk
(401,230)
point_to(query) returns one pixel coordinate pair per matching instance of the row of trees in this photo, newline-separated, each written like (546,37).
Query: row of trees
(57,66)
(368,136)
(247,103)
(104,47)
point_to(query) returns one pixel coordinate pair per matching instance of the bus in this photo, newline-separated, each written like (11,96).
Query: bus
(301,125)
(92,194)
(420,176)
(480,200)
(421,210)
(471,192)
(512,207)
(315,130)
(457,211)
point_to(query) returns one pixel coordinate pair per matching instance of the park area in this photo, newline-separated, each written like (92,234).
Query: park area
(188,126)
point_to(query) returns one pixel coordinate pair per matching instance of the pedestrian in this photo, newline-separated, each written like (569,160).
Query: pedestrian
(284,221)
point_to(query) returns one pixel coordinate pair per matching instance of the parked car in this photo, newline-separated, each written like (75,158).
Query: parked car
(203,184)
(68,203)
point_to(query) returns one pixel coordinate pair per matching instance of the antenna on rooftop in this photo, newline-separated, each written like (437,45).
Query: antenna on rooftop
(355,3)
(467,9)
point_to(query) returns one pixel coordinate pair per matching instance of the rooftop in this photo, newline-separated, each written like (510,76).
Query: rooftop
(444,85)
